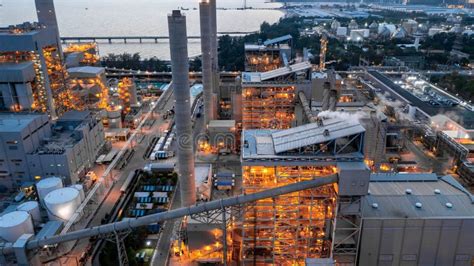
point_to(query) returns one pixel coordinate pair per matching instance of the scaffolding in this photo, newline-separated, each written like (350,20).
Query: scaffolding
(268,107)
(124,91)
(262,61)
(287,229)
(61,96)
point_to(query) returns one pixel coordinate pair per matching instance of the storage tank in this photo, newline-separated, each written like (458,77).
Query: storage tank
(15,224)
(80,188)
(62,203)
(43,187)
(31,207)
(114,116)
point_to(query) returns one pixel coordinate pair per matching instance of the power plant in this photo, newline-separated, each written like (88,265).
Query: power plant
(289,161)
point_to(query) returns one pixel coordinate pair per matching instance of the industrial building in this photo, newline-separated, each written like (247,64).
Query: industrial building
(81,54)
(34,77)
(294,227)
(34,148)
(416,219)
(88,87)
(269,55)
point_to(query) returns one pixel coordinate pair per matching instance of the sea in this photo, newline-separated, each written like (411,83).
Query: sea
(141,18)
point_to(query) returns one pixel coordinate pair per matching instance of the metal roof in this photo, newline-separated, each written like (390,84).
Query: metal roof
(17,72)
(408,177)
(278,40)
(263,76)
(392,200)
(310,134)
(285,70)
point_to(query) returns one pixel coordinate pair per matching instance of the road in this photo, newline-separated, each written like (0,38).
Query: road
(136,162)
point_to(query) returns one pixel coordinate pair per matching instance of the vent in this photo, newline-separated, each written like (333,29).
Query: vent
(375,205)
(418,205)
(408,191)
(449,205)
(437,191)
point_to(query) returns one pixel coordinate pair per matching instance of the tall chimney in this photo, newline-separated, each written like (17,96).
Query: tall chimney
(47,16)
(206,49)
(214,55)
(180,74)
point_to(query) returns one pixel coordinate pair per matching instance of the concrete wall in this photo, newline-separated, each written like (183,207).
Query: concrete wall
(417,242)
(15,145)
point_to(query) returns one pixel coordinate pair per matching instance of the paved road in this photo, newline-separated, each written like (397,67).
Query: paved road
(136,162)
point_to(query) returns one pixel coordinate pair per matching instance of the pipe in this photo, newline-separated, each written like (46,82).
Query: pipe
(206,49)
(176,213)
(180,75)
(306,108)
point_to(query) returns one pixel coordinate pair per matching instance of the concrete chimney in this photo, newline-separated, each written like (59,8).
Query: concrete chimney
(180,73)
(214,53)
(206,49)
(47,16)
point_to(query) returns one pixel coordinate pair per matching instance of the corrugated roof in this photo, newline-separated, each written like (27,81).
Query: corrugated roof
(310,134)
(285,70)
(278,40)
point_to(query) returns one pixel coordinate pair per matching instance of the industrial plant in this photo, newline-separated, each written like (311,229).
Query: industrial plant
(287,162)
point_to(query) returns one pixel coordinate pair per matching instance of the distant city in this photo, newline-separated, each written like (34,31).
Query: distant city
(340,134)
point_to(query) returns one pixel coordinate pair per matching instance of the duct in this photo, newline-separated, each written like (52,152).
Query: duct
(306,107)
(207,64)
(176,213)
(326,96)
(180,74)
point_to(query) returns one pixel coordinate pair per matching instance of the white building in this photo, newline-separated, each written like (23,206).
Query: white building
(32,148)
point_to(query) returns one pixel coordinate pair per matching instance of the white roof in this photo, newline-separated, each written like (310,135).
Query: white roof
(141,194)
(13,218)
(160,195)
(311,134)
(49,182)
(61,195)
(27,206)
(258,77)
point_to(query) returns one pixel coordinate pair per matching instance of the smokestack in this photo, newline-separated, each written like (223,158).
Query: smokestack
(47,17)
(214,41)
(180,74)
(206,47)
(214,56)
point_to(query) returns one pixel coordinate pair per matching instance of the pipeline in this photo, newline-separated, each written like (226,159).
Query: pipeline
(173,214)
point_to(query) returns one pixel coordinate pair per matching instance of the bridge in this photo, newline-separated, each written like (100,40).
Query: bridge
(140,39)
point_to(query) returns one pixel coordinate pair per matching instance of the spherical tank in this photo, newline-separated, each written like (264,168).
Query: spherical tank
(14,224)
(31,207)
(62,203)
(47,185)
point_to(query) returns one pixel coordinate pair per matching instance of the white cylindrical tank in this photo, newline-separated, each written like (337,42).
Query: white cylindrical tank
(43,187)
(62,203)
(31,207)
(80,188)
(14,224)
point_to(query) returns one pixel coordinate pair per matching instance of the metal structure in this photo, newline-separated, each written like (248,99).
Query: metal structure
(180,72)
(322,54)
(330,92)
(117,229)
(299,226)
(205,15)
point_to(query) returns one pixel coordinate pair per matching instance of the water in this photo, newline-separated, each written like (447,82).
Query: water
(138,17)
